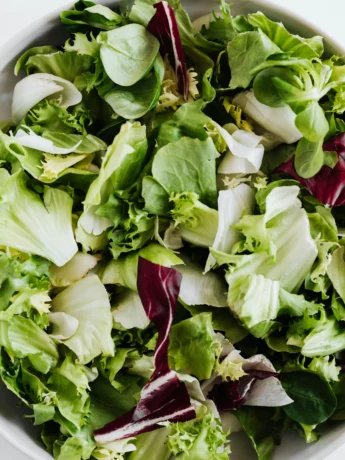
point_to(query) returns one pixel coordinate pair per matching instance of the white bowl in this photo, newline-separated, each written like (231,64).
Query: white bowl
(47,30)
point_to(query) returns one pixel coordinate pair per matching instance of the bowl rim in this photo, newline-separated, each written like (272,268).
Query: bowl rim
(53,15)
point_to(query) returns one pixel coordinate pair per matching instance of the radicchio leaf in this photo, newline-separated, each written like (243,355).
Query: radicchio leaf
(232,395)
(165,397)
(328,185)
(164,27)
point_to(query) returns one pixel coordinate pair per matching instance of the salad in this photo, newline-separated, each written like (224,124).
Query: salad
(171,219)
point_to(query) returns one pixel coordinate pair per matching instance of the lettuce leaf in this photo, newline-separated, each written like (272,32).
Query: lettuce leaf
(194,221)
(121,165)
(42,228)
(192,347)
(87,301)
(198,175)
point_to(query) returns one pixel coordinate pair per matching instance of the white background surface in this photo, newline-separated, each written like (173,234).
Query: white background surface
(327,15)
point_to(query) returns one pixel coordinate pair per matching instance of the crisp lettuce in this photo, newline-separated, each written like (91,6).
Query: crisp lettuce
(201,439)
(192,347)
(123,271)
(37,227)
(194,221)
(277,120)
(87,301)
(34,88)
(121,164)
(232,204)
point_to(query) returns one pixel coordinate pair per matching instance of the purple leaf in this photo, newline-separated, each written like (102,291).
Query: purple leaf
(159,288)
(165,397)
(232,395)
(328,185)
(164,27)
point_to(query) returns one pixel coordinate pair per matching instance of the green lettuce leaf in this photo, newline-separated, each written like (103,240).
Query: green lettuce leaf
(67,65)
(189,120)
(28,340)
(192,347)
(198,175)
(123,271)
(128,53)
(86,301)
(221,28)
(49,115)
(37,50)
(258,424)
(195,222)
(83,44)
(42,228)
(335,271)
(246,51)
(87,14)
(198,439)
(314,400)
(121,164)
(144,443)
(296,46)
(133,233)
(133,102)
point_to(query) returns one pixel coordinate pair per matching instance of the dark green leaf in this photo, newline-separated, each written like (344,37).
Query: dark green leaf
(258,425)
(314,400)
(274,158)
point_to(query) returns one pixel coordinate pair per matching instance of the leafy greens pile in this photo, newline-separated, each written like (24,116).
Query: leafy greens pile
(171,212)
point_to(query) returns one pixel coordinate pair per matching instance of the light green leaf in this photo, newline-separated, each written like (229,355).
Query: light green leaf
(200,439)
(90,14)
(246,51)
(336,271)
(221,27)
(155,196)
(87,301)
(121,164)
(83,44)
(326,338)
(195,222)
(189,120)
(188,165)
(42,228)
(309,158)
(128,53)
(124,270)
(88,144)
(312,123)
(21,63)
(288,43)
(76,269)
(133,102)
(67,65)
(192,346)
(326,368)
(28,340)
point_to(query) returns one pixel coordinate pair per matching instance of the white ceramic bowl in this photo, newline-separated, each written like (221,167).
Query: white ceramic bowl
(13,427)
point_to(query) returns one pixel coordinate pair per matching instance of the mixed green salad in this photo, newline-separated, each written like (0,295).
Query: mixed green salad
(171,209)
